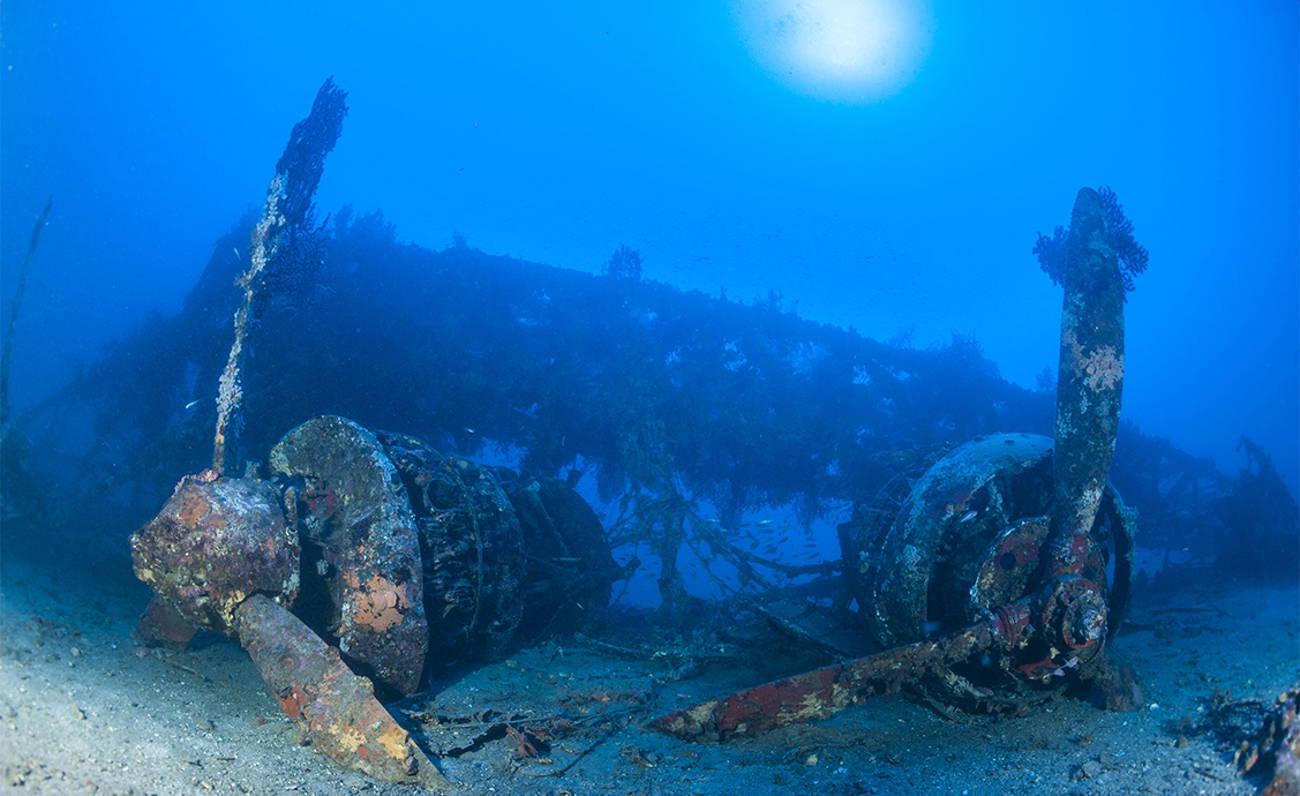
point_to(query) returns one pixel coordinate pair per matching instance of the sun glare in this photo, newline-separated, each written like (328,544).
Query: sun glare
(842,50)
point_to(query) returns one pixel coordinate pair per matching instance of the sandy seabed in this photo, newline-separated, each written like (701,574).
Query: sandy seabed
(84,709)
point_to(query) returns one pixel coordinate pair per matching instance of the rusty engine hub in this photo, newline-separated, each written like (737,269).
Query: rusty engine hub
(393,559)
(367,558)
(215,542)
(1009,565)
(971,538)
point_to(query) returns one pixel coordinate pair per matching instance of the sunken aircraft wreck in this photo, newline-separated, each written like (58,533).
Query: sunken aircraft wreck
(356,561)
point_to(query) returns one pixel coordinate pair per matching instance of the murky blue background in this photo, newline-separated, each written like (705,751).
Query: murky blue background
(554,133)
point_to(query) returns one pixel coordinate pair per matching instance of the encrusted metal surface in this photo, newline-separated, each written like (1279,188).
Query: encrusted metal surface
(1275,748)
(952,516)
(335,709)
(472,546)
(163,625)
(358,528)
(1090,379)
(1012,564)
(366,536)
(1009,565)
(216,541)
(817,694)
(569,569)
(974,537)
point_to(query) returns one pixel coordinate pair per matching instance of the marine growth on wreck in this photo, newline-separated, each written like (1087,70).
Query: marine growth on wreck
(448,520)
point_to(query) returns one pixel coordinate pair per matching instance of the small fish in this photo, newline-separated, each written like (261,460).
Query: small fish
(1070,664)
(764,522)
(470,430)
(968,516)
(192,404)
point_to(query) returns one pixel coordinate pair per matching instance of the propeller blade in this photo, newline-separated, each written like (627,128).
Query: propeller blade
(335,708)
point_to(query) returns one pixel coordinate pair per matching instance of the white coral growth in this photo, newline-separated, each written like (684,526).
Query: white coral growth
(1104,367)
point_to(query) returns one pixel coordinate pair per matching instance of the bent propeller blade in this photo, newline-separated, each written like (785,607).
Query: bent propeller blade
(334,708)
(821,692)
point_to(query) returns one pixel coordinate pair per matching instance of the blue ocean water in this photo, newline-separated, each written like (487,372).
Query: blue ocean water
(734,282)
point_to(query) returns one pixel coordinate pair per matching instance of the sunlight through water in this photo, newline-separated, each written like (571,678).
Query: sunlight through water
(848,51)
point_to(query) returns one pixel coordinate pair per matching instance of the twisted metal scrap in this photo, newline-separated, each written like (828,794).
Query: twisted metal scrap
(1277,743)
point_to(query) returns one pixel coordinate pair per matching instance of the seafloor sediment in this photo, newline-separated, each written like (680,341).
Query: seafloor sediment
(84,709)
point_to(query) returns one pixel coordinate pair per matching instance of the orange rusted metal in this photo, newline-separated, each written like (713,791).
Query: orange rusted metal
(335,709)
(216,541)
(357,519)
(822,692)
(337,527)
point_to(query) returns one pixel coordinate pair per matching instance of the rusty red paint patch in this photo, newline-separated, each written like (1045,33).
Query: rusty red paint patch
(771,704)
(292,703)
(819,693)
(373,546)
(321,501)
(1023,549)
(163,624)
(1038,669)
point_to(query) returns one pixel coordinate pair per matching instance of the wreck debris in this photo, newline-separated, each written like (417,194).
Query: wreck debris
(1009,566)
(472,543)
(216,541)
(969,540)
(358,528)
(286,212)
(568,566)
(335,708)
(1275,748)
(163,626)
(818,694)
(364,547)
(1264,737)
(19,497)
(1260,518)
(1089,378)
(813,626)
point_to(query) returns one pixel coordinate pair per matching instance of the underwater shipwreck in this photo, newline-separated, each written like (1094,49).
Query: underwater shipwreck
(608,433)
